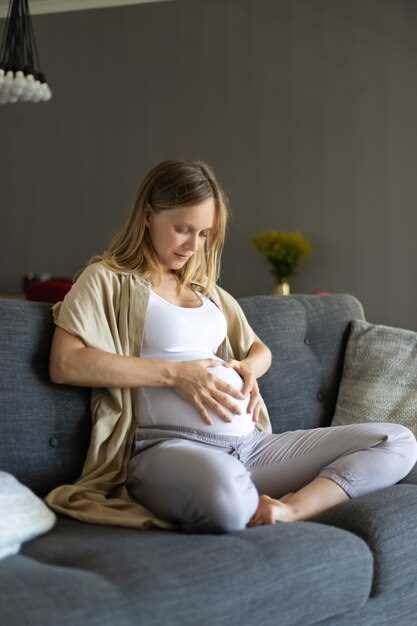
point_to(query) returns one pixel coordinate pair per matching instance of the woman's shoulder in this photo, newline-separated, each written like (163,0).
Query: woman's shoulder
(105,269)
(92,270)
(98,272)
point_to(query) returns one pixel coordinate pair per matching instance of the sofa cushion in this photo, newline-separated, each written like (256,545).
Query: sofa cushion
(379,380)
(263,575)
(386,520)
(33,593)
(411,478)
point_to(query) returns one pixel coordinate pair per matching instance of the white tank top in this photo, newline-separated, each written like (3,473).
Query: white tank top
(179,333)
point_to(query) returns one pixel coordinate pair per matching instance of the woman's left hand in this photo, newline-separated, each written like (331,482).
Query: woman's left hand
(250,385)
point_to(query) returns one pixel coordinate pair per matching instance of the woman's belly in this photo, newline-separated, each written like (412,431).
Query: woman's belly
(162,406)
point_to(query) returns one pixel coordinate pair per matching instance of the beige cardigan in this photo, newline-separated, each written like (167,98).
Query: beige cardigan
(107,311)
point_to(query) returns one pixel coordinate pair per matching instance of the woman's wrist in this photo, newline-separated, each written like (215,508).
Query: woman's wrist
(258,359)
(169,372)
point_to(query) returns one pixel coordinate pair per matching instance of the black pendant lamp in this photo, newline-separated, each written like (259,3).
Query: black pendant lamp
(21,79)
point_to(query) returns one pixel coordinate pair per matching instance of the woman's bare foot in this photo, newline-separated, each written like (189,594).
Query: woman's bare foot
(270,511)
(287,497)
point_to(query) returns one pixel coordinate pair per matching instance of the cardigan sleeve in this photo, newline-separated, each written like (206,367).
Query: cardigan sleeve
(87,309)
(240,332)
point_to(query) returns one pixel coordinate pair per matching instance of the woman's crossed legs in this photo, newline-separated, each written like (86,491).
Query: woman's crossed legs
(207,487)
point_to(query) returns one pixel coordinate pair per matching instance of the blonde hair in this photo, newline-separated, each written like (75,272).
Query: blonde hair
(169,185)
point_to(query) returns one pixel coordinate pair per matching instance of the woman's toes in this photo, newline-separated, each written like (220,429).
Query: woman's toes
(282,512)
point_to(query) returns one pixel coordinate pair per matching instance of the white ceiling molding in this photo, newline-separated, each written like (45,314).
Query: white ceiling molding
(58,6)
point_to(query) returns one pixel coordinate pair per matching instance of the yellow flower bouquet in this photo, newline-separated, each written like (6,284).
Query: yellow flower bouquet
(283,251)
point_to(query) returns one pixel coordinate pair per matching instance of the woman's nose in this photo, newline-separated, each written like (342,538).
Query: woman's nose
(193,244)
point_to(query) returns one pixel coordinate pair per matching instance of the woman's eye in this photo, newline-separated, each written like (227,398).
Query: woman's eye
(181,231)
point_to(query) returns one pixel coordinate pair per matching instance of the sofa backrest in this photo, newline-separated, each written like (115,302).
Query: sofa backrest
(307,335)
(45,427)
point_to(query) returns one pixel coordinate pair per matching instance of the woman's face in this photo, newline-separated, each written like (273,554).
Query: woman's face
(181,231)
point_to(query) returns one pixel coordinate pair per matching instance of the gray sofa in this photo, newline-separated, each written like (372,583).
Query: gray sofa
(351,565)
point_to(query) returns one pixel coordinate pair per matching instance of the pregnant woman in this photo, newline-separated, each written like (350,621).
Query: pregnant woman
(202,456)
(199,459)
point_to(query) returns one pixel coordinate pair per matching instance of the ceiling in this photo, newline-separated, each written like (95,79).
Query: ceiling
(58,6)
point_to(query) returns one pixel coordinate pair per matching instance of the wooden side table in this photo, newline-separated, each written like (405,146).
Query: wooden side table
(15,296)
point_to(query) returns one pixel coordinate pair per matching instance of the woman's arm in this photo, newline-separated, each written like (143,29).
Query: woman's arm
(73,363)
(259,358)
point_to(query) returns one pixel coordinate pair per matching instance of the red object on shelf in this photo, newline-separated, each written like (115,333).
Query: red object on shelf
(322,293)
(52,290)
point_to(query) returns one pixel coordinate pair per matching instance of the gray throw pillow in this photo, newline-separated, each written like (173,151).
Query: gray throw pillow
(379,378)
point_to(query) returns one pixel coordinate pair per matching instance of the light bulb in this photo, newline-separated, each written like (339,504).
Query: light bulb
(25,97)
(19,83)
(36,94)
(8,81)
(14,89)
(30,82)
(44,92)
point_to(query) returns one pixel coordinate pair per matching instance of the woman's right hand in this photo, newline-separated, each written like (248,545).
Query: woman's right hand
(205,390)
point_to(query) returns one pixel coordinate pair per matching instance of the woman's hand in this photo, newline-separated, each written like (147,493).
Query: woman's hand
(205,390)
(250,385)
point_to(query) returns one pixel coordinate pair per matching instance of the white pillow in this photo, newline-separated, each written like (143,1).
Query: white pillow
(379,378)
(23,515)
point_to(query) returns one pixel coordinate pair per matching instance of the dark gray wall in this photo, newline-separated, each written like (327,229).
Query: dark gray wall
(306,110)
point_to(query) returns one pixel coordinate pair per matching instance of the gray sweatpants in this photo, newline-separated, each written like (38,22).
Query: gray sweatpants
(207,482)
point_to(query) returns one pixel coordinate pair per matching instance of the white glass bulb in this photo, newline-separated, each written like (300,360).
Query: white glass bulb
(35,88)
(36,96)
(8,81)
(16,87)
(12,90)
(36,91)
(30,81)
(19,83)
(44,92)
(25,97)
